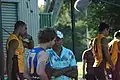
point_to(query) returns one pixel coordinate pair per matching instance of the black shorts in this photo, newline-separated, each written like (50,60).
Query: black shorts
(15,70)
(90,76)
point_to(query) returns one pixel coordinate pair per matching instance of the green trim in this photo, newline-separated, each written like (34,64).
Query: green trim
(45,20)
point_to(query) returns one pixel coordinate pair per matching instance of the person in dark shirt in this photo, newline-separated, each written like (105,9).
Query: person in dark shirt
(88,58)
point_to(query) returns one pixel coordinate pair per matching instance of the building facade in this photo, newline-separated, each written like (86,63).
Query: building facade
(10,12)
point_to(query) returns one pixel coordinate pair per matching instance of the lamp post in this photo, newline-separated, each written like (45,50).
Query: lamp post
(73,25)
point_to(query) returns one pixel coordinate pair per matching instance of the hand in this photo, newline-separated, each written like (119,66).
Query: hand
(27,76)
(28,37)
(73,67)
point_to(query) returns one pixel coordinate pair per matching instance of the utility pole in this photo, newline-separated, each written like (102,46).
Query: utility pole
(73,25)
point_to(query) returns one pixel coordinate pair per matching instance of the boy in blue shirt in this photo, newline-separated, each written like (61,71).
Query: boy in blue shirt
(38,58)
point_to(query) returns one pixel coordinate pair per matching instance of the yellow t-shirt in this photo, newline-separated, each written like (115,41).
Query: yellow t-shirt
(113,51)
(97,50)
(19,51)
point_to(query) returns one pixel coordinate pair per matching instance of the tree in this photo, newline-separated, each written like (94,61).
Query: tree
(53,6)
(64,24)
(103,12)
(96,13)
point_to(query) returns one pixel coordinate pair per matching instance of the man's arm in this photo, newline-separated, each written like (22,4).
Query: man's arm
(59,72)
(84,62)
(119,46)
(42,59)
(13,44)
(67,71)
(70,71)
(105,51)
(73,73)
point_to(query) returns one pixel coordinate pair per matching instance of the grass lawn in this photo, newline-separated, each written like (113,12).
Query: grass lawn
(79,69)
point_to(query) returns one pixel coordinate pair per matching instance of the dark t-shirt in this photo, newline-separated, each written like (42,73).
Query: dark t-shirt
(88,56)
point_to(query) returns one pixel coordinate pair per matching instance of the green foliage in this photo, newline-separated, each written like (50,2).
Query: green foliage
(80,39)
(79,36)
(95,14)
(64,25)
(103,12)
(64,16)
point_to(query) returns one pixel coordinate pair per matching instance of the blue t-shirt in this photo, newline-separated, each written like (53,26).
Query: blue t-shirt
(32,59)
(66,59)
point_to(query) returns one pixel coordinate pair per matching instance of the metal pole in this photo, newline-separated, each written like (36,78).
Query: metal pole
(73,24)
(73,29)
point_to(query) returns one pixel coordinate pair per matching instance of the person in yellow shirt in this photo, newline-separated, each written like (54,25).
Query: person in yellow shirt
(114,50)
(15,50)
(100,52)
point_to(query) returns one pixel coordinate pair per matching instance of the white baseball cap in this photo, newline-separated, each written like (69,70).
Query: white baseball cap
(59,34)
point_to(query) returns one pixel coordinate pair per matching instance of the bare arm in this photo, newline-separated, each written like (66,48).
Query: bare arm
(84,62)
(42,60)
(68,71)
(73,73)
(71,70)
(59,72)
(105,51)
(13,44)
(119,46)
